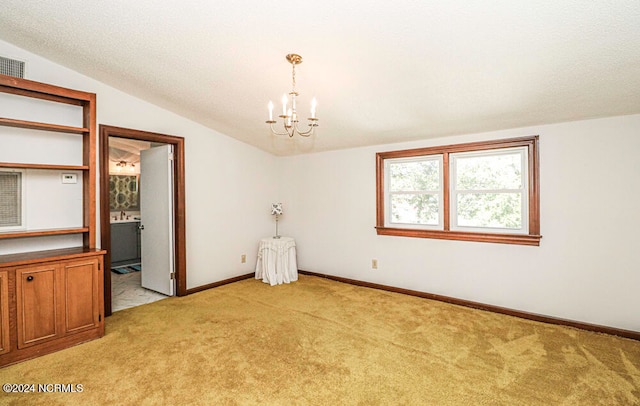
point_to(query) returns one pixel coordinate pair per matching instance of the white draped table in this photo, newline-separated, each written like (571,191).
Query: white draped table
(277,261)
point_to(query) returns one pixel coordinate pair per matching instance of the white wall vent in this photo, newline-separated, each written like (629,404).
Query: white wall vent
(11,67)
(11,200)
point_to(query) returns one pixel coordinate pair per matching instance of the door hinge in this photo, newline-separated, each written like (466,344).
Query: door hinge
(99,317)
(99,266)
(173,275)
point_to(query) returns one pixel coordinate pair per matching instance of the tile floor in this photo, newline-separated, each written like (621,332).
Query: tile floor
(127,292)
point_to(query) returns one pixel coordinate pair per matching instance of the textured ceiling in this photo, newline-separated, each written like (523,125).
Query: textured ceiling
(381,71)
(121,149)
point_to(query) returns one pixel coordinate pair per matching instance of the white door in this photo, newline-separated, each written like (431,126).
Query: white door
(156,212)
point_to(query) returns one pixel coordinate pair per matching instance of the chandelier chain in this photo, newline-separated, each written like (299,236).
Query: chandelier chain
(294,77)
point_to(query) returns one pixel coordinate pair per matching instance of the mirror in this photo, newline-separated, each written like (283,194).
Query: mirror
(123,192)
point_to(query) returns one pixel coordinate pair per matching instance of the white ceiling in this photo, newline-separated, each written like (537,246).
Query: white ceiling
(381,71)
(122,149)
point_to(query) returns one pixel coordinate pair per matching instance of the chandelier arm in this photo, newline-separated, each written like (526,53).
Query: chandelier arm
(277,133)
(289,128)
(307,133)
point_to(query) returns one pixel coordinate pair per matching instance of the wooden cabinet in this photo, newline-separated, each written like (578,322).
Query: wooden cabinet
(58,301)
(4,312)
(38,310)
(52,299)
(82,290)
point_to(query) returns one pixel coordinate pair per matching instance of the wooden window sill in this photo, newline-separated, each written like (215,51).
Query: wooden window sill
(517,239)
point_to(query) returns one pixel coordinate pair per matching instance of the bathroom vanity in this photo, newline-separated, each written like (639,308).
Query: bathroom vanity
(125,241)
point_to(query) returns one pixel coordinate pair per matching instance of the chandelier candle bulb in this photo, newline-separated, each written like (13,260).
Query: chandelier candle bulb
(284,104)
(314,103)
(270,111)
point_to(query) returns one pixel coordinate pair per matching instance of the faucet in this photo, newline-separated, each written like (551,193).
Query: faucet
(122,214)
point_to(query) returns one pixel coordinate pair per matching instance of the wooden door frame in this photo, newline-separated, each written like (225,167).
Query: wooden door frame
(107,131)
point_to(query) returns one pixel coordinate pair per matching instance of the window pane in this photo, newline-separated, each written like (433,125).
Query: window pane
(502,171)
(414,209)
(497,210)
(415,176)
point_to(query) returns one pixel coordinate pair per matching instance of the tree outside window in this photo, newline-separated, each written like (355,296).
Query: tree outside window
(485,191)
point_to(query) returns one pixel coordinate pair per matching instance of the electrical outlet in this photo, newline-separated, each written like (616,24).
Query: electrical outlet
(243,258)
(374,264)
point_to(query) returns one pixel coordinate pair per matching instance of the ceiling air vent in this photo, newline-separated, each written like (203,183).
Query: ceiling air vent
(11,67)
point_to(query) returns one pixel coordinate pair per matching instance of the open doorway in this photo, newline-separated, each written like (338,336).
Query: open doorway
(163,157)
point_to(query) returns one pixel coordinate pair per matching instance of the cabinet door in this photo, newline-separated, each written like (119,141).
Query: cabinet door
(37,292)
(81,295)
(4,312)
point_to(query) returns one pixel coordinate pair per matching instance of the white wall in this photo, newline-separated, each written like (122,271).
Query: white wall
(586,267)
(228,183)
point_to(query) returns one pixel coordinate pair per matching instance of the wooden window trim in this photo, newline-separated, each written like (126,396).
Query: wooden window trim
(531,238)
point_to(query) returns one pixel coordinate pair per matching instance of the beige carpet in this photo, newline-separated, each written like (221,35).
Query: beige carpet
(323,342)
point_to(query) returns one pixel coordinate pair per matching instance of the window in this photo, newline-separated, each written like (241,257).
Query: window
(415,191)
(489,191)
(11,200)
(484,191)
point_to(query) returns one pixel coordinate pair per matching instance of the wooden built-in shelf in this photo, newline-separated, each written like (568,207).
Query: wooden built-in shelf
(24,258)
(34,125)
(53,299)
(44,166)
(40,233)
(43,91)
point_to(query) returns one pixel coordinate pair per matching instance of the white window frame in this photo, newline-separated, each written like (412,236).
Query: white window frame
(389,193)
(522,190)
(23,200)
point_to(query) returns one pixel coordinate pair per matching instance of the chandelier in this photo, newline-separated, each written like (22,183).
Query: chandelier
(289,115)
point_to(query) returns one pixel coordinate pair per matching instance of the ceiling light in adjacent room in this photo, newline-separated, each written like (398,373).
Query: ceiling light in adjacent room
(123,164)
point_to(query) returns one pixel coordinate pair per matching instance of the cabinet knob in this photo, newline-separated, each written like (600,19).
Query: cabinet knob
(29,278)
(141,227)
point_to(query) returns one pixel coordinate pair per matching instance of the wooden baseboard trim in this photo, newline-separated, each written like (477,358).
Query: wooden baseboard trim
(220,283)
(634,335)
(18,355)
